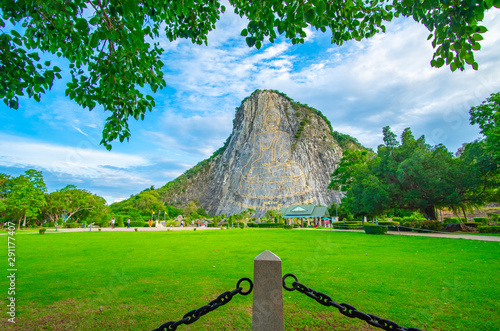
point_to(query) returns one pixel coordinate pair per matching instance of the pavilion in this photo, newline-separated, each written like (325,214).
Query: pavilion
(306,215)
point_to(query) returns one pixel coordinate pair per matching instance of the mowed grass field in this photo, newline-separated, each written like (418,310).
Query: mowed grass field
(139,280)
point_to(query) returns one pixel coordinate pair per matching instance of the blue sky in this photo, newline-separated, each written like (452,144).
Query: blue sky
(361,87)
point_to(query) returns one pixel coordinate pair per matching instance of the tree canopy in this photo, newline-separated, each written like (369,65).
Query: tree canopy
(23,196)
(412,175)
(487,116)
(113,51)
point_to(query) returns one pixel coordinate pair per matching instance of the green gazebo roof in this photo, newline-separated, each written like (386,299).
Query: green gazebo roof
(304,211)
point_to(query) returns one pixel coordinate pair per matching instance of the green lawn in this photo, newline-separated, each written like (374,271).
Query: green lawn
(138,280)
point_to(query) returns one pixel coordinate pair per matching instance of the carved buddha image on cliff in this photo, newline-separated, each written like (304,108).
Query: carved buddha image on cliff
(269,173)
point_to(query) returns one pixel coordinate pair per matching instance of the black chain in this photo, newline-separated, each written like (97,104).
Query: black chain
(344,308)
(195,315)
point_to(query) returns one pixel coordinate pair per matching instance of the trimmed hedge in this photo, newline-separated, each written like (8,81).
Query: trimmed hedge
(48,224)
(483,220)
(489,229)
(341,226)
(42,231)
(135,224)
(494,216)
(265,225)
(72,225)
(475,224)
(374,229)
(288,227)
(388,223)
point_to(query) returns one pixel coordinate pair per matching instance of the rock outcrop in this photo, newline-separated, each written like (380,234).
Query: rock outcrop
(279,153)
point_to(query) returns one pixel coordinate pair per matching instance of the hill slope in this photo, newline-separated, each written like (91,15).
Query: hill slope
(264,167)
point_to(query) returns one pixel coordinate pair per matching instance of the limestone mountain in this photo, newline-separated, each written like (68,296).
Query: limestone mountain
(279,153)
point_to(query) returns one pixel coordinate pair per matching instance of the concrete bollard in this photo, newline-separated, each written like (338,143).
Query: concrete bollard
(267,293)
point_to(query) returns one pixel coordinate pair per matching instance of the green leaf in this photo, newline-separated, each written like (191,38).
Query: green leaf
(94,20)
(94,40)
(475,66)
(47,63)
(244,32)
(250,41)
(482,29)
(440,62)
(15,33)
(453,66)
(81,24)
(430,36)
(496,3)
(13,104)
(477,37)
(476,46)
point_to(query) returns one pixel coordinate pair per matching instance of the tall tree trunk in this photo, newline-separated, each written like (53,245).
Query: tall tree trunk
(465,215)
(19,222)
(429,212)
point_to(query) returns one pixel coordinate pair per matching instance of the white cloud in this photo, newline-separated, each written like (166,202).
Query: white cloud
(19,152)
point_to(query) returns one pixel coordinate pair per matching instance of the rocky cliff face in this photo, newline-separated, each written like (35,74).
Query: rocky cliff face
(279,153)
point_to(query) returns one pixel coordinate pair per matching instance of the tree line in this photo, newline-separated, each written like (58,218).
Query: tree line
(411,175)
(24,199)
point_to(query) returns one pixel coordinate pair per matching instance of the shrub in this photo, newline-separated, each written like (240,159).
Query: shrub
(42,231)
(134,229)
(288,227)
(351,222)
(433,225)
(494,217)
(136,224)
(483,220)
(104,224)
(99,229)
(374,229)
(72,225)
(489,229)
(388,223)
(397,219)
(241,225)
(475,224)
(270,225)
(119,222)
(48,224)
(341,226)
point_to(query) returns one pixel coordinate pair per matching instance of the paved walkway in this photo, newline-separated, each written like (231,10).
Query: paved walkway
(435,235)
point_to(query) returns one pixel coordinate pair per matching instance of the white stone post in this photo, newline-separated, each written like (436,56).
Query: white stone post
(267,293)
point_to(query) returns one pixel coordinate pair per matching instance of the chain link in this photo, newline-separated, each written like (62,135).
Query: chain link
(344,308)
(194,315)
